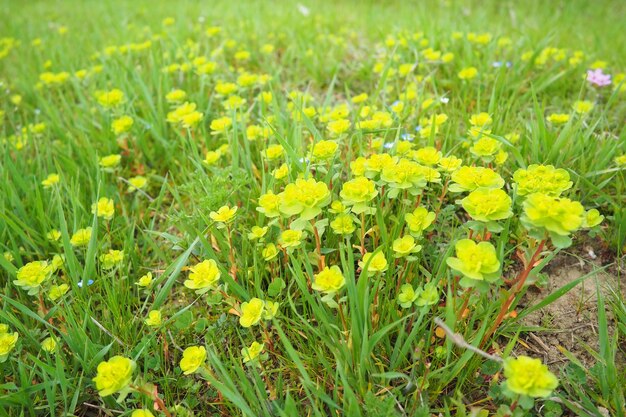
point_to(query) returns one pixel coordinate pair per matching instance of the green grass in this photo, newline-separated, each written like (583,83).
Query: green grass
(369,356)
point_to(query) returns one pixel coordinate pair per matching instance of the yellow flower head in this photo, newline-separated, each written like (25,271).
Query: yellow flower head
(122,125)
(252,352)
(112,98)
(185,115)
(104,208)
(337,127)
(468,73)
(481,119)
(304,198)
(114,375)
(110,161)
(251,312)
(49,345)
(269,204)
(269,252)
(7,344)
(556,215)
(154,318)
(427,156)
(583,107)
(193,358)
(224,214)
(57,291)
(329,280)
(31,275)
(357,193)
(486,148)
(475,261)
(51,180)
(142,413)
(527,376)
(419,220)
(290,238)
(274,152)
(203,276)
(488,204)
(145,280)
(324,150)
(343,225)
(404,246)
(543,179)
(558,118)
(257,232)
(175,96)
(81,237)
(471,178)
(112,258)
(407,296)
(375,263)
(137,183)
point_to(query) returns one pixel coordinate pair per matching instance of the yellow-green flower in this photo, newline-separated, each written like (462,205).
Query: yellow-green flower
(224,214)
(203,276)
(57,291)
(527,376)
(269,252)
(53,235)
(583,107)
(193,358)
(543,179)
(51,180)
(592,218)
(252,352)
(450,163)
(471,178)
(49,345)
(304,198)
(274,152)
(114,375)
(257,232)
(31,275)
(358,193)
(375,263)
(145,280)
(290,238)
(404,246)
(488,204)
(271,309)
(269,204)
(486,148)
(324,150)
(142,413)
(620,160)
(112,258)
(104,208)
(556,215)
(154,318)
(122,124)
(475,261)
(329,280)
(175,96)
(81,237)
(137,183)
(111,98)
(480,119)
(468,73)
(343,225)
(558,118)
(407,296)
(251,312)
(427,156)
(110,161)
(419,220)
(7,344)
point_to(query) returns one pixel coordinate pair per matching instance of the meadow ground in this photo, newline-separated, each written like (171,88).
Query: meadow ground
(312,209)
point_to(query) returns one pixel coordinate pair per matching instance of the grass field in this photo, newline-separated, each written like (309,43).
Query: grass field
(311,209)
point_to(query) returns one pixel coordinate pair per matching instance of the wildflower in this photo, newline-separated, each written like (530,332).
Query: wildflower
(112,258)
(271,309)
(407,296)
(620,160)
(428,296)
(527,376)
(357,193)
(361,98)
(57,291)
(137,183)
(427,156)
(251,312)
(329,280)
(110,161)
(257,232)
(485,148)
(598,77)
(274,152)
(193,358)
(224,214)
(142,413)
(450,163)
(7,344)
(281,172)
(488,204)
(592,218)
(475,261)
(114,375)
(31,275)
(290,238)
(375,263)
(51,180)
(337,127)
(558,118)
(304,198)
(543,179)
(104,208)
(468,73)
(145,280)
(419,220)
(481,119)
(269,252)
(49,345)
(324,150)
(203,276)
(405,246)
(556,215)
(252,352)
(185,115)
(112,98)
(154,318)
(343,225)
(176,96)
(122,125)
(583,107)
(471,178)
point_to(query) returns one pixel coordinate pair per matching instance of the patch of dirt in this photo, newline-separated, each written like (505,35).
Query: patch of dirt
(572,320)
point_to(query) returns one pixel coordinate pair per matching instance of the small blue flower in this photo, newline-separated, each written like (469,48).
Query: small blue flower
(80,283)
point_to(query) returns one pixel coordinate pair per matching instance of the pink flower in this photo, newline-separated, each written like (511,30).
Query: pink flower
(598,77)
